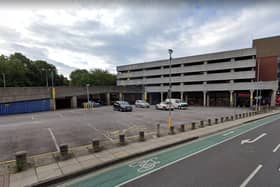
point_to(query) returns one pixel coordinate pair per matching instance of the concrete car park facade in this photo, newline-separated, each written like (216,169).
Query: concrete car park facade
(216,79)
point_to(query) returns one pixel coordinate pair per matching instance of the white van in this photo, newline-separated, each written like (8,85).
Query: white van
(177,103)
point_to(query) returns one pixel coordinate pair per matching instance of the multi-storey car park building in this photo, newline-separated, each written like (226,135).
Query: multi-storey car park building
(225,78)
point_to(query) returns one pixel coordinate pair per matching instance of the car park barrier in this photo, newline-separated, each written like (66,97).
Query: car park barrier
(21,160)
(96,145)
(227,118)
(193,125)
(158,130)
(209,122)
(64,151)
(216,120)
(171,130)
(182,128)
(201,124)
(122,139)
(88,106)
(141,136)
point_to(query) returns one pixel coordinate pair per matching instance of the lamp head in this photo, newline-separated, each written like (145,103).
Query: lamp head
(170,51)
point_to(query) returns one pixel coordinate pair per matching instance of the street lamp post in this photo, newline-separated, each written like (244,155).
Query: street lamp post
(4,80)
(87,93)
(170,51)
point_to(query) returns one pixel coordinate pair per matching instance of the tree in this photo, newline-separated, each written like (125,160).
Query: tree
(96,77)
(21,71)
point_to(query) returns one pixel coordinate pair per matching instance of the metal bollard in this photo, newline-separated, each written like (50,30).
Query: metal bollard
(158,128)
(231,118)
(243,115)
(236,116)
(201,124)
(95,145)
(182,128)
(193,125)
(122,139)
(240,116)
(141,136)
(227,118)
(21,160)
(171,130)
(222,119)
(209,122)
(250,114)
(216,120)
(63,148)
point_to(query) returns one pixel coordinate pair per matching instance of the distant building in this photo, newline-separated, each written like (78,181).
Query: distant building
(216,79)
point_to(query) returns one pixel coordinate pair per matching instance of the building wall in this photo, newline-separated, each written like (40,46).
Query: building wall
(268,68)
(266,47)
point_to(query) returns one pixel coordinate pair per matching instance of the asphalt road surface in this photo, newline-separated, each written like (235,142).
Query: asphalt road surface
(253,163)
(248,155)
(42,132)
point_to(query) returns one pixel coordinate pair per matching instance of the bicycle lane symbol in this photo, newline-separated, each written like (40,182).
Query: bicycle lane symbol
(145,165)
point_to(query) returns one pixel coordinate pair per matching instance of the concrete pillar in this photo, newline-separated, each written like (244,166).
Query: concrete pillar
(231,98)
(120,96)
(273,98)
(74,102)
(108,99)
(204,98)
(161,96)
(186,97)
(182,96)
(251,97)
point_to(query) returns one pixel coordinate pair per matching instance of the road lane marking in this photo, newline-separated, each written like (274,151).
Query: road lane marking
(197,152)
(32,117)
(228,133)
(54,139)
(253,141)
(251,176)
(276,148)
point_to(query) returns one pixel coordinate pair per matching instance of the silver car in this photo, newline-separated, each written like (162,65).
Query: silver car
(142,104)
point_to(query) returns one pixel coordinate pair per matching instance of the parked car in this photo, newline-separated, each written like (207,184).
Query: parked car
(142,104)
(164,106)
(122,106)
(177,103)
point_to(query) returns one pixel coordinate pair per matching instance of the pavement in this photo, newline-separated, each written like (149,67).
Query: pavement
(40,133)
(61,170)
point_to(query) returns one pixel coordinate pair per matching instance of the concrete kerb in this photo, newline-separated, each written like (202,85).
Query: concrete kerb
(56,180)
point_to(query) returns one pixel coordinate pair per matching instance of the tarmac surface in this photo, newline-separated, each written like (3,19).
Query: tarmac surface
(42,132)
(233,163)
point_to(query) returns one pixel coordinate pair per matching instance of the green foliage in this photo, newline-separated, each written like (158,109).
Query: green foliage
(21,71)
(96,77)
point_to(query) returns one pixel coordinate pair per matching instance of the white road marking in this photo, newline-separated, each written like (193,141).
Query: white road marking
(94,128)
(228,133)
(276,148)
(251,176)
(32,117)
(60,115)
(211,146)
(54,139)
(253,141)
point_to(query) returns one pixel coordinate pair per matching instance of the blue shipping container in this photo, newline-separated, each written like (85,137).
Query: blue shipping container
(25,107)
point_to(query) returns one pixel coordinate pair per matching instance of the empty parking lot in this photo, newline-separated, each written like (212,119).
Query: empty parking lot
(42,132)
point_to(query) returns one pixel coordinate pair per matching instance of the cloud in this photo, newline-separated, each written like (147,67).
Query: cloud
(99,35)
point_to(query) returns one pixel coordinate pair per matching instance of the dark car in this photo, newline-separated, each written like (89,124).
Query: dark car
(122,106)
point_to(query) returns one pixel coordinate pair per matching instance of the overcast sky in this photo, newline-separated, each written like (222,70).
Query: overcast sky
(92,34)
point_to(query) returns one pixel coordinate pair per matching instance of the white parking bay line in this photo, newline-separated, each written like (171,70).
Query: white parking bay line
(54,139)
(276,148)
(251,176)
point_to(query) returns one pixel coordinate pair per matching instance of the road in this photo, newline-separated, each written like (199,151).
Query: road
(244,156)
